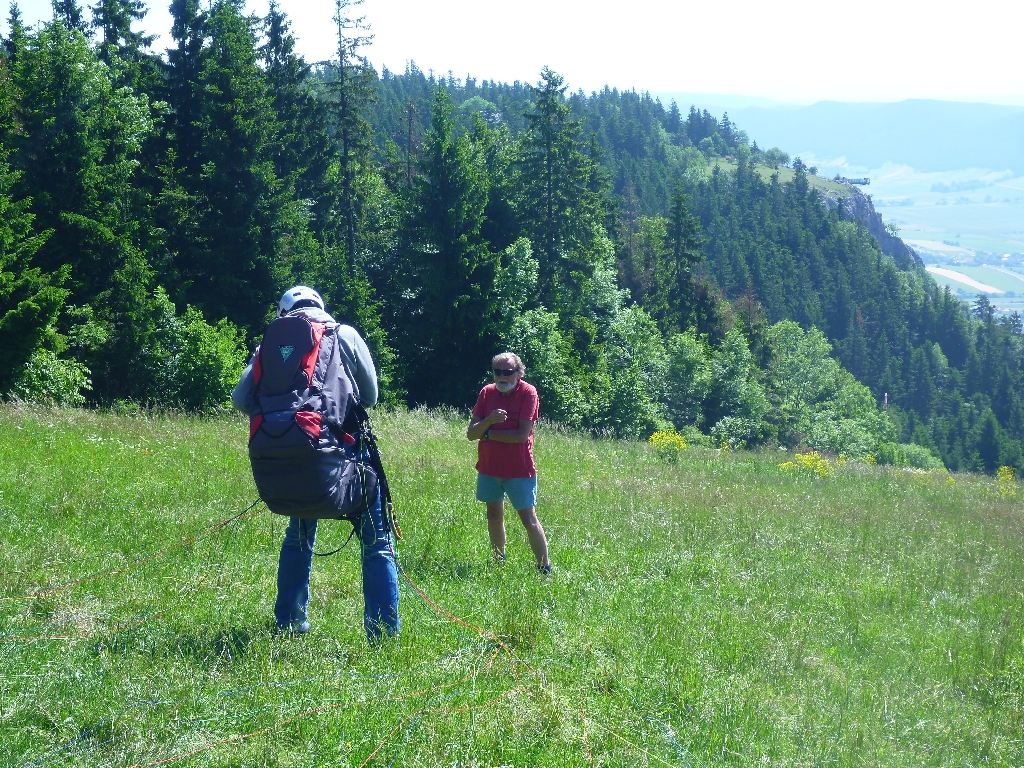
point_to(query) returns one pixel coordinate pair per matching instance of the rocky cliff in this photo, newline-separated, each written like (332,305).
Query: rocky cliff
(857,205)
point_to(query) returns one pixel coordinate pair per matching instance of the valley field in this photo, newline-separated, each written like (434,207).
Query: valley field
(719,609)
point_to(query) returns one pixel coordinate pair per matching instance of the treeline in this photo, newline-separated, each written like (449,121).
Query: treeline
(762,252)
(155,207)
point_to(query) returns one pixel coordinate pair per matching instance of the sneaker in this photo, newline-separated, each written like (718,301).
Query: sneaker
(295,628)
(545,569)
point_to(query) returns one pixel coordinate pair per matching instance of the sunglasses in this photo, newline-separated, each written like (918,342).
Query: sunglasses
(504,371)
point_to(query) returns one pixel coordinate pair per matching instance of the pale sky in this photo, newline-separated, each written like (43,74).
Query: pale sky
(789,50)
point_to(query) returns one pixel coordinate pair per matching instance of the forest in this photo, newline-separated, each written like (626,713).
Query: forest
(649,265)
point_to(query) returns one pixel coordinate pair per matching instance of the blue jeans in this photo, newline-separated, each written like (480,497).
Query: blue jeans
(380,574)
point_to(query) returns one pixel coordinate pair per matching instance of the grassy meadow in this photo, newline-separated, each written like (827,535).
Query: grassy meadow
(716,610)
(786,175)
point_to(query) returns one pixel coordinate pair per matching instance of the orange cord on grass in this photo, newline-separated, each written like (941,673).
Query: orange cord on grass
(445,613)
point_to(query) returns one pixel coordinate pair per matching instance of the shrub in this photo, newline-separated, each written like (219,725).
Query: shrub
(736,431)
(49,379)
(192,364)
(534,336)
(815,401)
(906,455)
(205,363)
(668,445)
(694,437)
(688,379)
(516,282)
(735,393)
(635,354)
(811,461)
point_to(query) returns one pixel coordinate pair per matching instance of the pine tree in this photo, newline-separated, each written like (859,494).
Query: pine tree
(921,387)
(69,13)
(30,299)
(305,156)
(15,40)
(498,150)
(561,211)
(238,250)
(455,271)
(685,243)
(352,89)
(988,441)
(79,151)
(183,89)
(114,18)
(124,49)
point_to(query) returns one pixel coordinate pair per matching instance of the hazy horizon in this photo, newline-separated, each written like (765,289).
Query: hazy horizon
(656,49)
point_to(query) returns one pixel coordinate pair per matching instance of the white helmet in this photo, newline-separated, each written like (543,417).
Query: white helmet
(300,293)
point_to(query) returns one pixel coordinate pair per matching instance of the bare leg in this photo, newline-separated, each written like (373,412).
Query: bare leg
(496,528)
(534,532)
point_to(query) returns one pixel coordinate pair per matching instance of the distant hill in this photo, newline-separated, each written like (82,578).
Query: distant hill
(930,136)
(927,135)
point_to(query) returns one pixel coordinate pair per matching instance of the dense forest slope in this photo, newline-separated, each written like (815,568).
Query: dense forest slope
(655,269)
(792,246)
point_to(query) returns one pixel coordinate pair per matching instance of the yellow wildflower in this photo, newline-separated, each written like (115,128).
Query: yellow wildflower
(668,445)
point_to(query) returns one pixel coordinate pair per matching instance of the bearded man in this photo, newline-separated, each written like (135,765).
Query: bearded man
(503,420)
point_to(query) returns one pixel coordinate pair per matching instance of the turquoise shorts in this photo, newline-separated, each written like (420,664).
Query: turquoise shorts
(522,491)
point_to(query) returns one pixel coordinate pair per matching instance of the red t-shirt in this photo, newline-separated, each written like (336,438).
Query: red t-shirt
(507,460)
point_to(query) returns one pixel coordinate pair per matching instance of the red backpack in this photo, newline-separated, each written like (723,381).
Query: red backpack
(302,417)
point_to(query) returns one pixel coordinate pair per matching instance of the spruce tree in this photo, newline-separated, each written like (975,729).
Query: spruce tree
(30,299)
(69,13)
(988,441)
(79,147)
(114,18)
(182,88)
(236,250)
(561,212)
(306,156)
(15,40)
(685,244)
(78,150)
(124,49)
(352,90)
(454,270)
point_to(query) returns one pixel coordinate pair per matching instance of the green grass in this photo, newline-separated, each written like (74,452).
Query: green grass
(832,188)
(716,611)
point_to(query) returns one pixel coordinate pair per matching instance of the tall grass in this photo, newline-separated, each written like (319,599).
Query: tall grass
(718,610)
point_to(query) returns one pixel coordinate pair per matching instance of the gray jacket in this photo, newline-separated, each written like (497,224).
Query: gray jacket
(354,354)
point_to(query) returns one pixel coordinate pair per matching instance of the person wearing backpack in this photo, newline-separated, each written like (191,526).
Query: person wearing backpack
(503,420)
(303,389)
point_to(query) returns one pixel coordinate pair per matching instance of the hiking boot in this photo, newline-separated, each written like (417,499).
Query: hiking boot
(294,628)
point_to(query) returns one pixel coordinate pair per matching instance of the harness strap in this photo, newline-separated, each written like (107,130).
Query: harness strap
(366,431)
